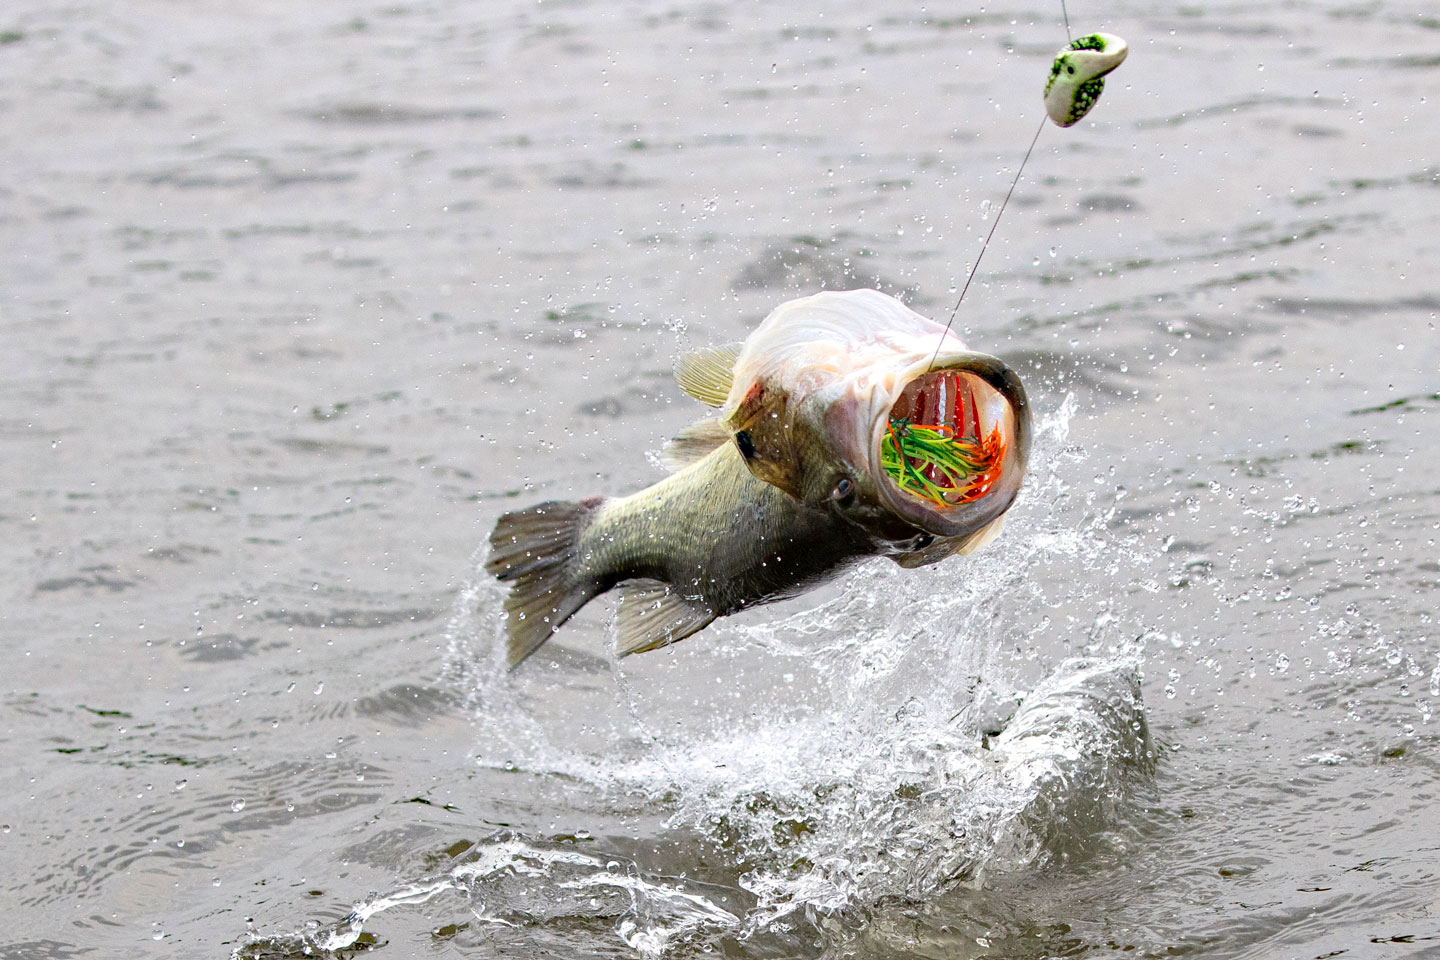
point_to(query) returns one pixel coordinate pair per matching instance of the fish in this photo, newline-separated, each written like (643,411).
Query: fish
(847,426)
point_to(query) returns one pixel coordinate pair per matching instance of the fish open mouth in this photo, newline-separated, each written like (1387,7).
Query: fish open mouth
(951,452)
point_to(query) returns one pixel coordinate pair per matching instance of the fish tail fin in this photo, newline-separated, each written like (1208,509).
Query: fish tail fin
(536,551)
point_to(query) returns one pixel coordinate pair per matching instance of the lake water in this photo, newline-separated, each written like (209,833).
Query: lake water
(296,299)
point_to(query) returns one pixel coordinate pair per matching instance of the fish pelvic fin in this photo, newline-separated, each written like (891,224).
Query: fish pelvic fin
(535,551)
(653,615)
(706,373)
(694,443)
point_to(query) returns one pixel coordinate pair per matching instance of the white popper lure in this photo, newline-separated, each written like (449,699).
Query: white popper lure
(1077,78)
(1078,75)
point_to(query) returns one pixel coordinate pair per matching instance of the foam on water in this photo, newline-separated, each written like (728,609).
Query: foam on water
(497,880)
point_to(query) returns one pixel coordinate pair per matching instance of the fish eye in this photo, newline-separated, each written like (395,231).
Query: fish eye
(1070,68)
(745,444)
(844,492)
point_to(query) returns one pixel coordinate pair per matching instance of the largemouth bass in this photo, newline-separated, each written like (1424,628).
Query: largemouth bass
(849,427)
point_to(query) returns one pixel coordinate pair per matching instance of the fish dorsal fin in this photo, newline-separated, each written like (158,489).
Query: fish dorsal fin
(950,546)
(705,374)
(694,443)
(652,615)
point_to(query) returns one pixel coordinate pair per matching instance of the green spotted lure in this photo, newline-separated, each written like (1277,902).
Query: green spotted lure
(1078,76)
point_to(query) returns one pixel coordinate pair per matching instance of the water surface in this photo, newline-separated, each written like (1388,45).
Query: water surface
(296,299)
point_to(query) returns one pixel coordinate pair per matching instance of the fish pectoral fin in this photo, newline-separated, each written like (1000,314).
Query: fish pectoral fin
(706,373)
(653,615)
(695,443)
(950,546)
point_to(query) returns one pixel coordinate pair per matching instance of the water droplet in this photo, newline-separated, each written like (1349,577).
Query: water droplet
(237,805)
(181,783)
(320,687)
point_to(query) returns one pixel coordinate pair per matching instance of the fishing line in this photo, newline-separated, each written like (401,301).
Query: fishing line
(950,463)
(1077,77)
(984,246)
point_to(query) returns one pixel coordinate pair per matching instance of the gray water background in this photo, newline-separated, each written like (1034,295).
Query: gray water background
(295,299)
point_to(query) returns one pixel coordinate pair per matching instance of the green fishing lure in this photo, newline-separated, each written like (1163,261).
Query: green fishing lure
(1077,76)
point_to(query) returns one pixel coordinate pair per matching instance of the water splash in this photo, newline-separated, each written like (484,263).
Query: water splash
(865,761)
(496,881)
(919,817)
